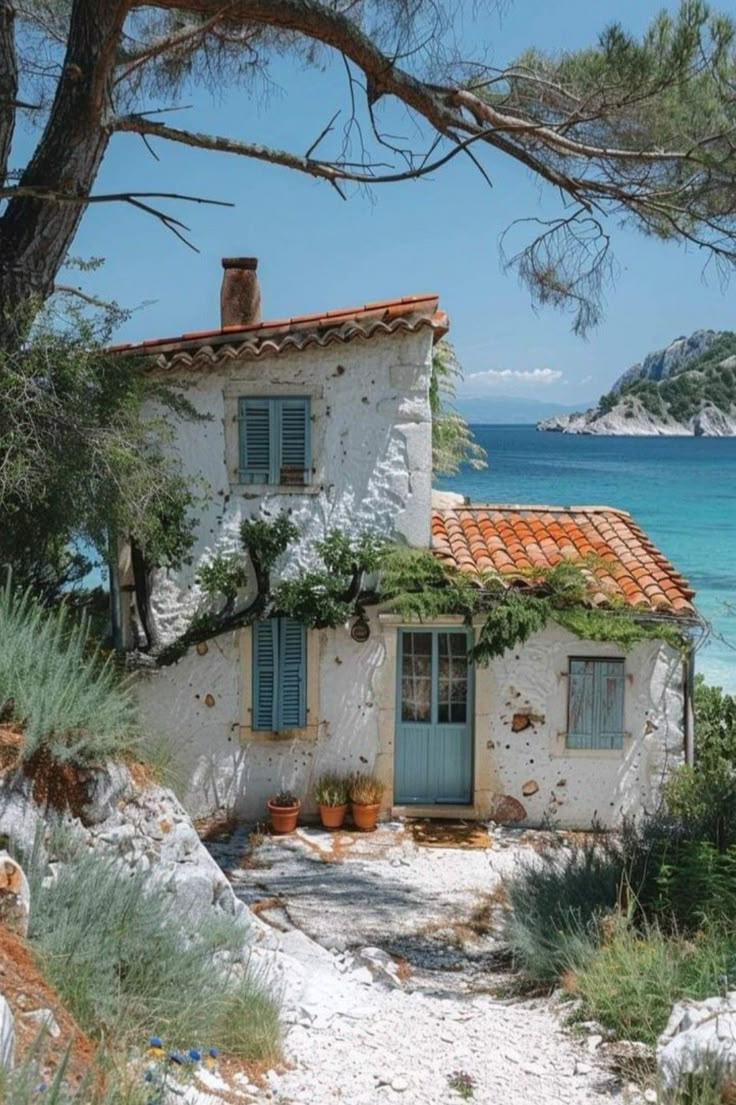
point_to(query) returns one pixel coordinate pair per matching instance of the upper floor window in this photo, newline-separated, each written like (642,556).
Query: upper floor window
(595,717)
(274,440)
(279,674)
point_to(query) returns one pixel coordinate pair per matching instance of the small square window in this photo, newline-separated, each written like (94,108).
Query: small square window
(595,705)
(274,440)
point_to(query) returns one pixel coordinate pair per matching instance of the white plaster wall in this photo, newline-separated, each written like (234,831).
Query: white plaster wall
(199,704)
(371,447)
(226,771)
(576,787)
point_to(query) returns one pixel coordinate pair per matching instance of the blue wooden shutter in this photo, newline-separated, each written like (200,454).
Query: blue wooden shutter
(265,657)
(292,674)
(596,704)
(610,683)
(256,440)
(581,693)
(294,436)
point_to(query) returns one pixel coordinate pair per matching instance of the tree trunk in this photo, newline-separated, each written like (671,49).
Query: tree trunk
(35,235)
(8,82)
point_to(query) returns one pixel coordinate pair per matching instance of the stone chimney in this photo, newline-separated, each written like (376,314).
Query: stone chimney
(240,296)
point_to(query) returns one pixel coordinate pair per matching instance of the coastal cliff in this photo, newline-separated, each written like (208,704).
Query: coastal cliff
(687,388)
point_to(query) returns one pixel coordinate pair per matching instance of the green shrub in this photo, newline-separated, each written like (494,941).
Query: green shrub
(632,981)
(555,903)
(55,685)
(110,943)
(703,797)
(696,884)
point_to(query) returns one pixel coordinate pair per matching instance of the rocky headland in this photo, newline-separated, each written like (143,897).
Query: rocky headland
(686,389)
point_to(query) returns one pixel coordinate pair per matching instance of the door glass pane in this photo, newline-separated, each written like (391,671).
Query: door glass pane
(452,672)
(416,677)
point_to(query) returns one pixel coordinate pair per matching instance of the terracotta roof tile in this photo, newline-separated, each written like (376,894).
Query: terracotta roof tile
(200,348)
(623,564)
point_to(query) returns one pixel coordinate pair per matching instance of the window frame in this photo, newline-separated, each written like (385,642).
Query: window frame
(617,740)
(275,404)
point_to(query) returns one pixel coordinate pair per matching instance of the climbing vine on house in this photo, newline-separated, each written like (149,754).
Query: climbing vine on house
(327,593)
(348,573)
(452,439)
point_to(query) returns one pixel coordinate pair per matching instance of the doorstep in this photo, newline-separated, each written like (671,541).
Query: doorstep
(436,812)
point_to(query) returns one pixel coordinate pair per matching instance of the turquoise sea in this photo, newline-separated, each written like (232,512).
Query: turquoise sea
(681,490)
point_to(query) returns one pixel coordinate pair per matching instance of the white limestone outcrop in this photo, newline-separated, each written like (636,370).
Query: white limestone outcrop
(146,829)
(700,1039)
(633,419)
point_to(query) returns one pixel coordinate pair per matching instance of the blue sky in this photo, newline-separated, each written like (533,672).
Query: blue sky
(317,251)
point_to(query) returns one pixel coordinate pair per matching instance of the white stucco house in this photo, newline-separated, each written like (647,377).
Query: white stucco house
(328,416)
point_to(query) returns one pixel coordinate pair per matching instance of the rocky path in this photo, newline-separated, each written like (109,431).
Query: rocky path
(401,975)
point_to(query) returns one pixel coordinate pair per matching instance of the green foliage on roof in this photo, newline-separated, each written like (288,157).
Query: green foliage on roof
(351,572)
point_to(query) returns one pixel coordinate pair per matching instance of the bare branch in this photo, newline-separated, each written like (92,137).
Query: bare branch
(332,171)
(51,196)
(322,134)
(86,297)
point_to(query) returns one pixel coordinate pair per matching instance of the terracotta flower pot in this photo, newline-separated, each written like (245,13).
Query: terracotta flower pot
(284,818)
(332,816)
(365,817)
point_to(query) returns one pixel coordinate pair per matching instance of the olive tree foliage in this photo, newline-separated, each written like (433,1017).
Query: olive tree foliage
(85,453)
(633,130)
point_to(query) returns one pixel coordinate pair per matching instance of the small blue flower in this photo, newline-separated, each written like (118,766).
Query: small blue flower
(194,1054)
(155,1041)
(41,1087)
(213,1053)
(176,1057)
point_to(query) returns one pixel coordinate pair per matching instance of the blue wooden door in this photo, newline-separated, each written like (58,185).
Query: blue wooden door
(434,747)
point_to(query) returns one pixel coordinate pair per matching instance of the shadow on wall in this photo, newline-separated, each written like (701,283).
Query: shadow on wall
(242,777)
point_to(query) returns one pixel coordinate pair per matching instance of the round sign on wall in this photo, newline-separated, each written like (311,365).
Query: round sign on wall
(360,630)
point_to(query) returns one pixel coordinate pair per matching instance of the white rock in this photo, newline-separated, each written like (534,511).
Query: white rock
(700,1037)
(593,1043)
(382,967)
(399,1084)
(7,1035)
(44,1018)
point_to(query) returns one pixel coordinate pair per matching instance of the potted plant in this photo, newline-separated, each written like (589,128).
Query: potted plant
(365,800)
(284,811)
(332,799)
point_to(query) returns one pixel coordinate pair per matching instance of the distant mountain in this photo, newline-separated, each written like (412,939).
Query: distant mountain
(687,388)
(507,409)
